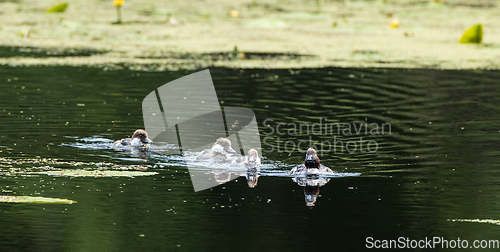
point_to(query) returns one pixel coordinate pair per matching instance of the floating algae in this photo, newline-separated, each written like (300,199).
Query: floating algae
(34,200)
(47,161)
(96,173)
(30,166)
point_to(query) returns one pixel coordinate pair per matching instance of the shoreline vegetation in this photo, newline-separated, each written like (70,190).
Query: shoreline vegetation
(174,35)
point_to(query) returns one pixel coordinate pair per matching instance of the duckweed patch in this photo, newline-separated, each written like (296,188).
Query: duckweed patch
(38,52)
(34,200)
(96,173)
(45,162)
(260,27)
(35,166)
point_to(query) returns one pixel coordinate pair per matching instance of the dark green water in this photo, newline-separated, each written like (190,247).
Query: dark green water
(440,162)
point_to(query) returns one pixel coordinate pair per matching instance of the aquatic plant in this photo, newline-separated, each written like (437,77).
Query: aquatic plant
(118,4)
(233,13)
(473,35)
(58,8)
(24,33)
(236,54)
(394,23)
(32,200)
(96,173)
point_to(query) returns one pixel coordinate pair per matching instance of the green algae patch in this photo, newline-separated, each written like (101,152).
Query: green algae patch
(34,200)
(96,173)
(473,35)
(426,38)
(58,8)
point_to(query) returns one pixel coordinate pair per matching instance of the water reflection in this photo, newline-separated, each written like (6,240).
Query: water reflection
(222,177)
(311,175)
(252,177)
(311,184)
(311,193)
(247,166)
(141,153)
(440,162)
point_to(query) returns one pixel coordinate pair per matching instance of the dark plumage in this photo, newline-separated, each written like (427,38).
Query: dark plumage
(311,164)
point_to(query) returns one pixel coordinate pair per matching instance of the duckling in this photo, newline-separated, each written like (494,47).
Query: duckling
(311,165)
(219,151)
(138,139)
(251,160)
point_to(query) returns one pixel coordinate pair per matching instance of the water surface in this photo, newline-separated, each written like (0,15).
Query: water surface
(439,162)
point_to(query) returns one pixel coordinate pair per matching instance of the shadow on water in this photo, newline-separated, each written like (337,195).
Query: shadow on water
(35,52)
(437,162)
(225,56)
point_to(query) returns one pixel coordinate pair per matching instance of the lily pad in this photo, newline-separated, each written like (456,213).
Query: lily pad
(473,35)
(31,200)
(97,173)
(58,8)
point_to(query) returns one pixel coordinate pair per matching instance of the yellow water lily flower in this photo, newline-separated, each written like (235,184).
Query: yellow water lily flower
(233,13)
(24,33)
(118,2)
(394,23)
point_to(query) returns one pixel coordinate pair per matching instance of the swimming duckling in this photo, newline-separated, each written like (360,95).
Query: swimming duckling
(251,160)
(310,166)
(218,152)
(138,139)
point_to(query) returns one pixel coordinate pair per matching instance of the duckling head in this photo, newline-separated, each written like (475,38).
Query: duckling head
(312,159)
(140,138)
(253,158)
(223,146)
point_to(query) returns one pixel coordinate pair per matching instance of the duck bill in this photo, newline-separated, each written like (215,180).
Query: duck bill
(230,150)
(309,158)
(147,141)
